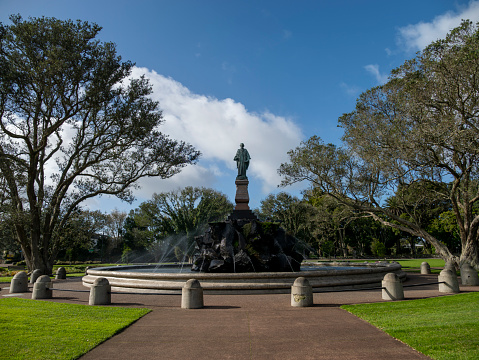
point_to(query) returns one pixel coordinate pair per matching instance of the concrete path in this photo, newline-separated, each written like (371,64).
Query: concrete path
(250,326)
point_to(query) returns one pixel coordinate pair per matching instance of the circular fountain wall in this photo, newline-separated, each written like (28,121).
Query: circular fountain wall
(147,279)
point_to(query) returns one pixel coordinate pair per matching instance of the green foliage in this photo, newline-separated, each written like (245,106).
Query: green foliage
(177,214)
(246,229)
(378,248)
(408,136)
(296,216)
(48,330)
(268,227)
(125,254)
(442,328)
(57,79)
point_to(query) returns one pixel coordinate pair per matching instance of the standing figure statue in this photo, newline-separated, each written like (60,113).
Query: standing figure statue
(242,159)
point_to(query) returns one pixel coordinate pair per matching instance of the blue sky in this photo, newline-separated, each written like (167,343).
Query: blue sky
(266,73)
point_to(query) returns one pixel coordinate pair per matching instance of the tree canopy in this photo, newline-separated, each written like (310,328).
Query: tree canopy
(73,126)
(420,127)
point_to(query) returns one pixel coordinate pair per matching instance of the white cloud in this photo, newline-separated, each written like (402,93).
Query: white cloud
(374,69)
(350,90)
(418,36)
(216,128)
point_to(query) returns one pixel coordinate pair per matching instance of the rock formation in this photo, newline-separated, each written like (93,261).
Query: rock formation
(246,246)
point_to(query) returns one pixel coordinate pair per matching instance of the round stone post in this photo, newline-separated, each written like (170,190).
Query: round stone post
(425,268)
(192,295)
(301,293)
(35,275)
(61,273)
(100,292)
(449,265)
(19,283)
(451,285)
(469,275)
(42,288)
(393,289)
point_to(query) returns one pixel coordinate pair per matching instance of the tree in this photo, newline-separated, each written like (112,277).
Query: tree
(295,216)
(73,126)
(422,126)
(78,234)
(185,212)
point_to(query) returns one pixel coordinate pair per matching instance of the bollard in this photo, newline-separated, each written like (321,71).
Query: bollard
(19,283)
(35,275)
(86,269)
(449,265)
(425,268)
(301,293)
(100,292)
(42,288)
(192,295)
(61,273)
(451,284)
(393,287)
(469,275)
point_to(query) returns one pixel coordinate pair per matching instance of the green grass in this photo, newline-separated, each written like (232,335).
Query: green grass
(415,264)
(443,328)
(32,329)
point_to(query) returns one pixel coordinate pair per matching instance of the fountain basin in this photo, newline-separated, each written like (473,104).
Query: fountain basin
(325,277)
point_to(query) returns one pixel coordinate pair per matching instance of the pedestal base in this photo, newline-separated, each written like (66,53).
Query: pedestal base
(242,196)
(242,215)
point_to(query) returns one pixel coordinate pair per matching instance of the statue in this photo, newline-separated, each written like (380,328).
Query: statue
(242,159)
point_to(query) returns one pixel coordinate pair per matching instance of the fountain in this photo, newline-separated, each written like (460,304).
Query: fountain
(244,255)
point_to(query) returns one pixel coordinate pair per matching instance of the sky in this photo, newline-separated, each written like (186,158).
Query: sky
(266,73)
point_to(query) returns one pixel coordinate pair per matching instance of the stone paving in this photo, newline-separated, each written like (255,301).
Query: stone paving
(249,326)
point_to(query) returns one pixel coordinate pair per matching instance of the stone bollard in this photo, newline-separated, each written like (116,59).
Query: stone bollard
(100,292)
(449,265)
(35,275)
(192,295)
(301,293)
(42,288)
(469,275)
(425,268)
(393,287)
(61,273)
(19,283)
(451,284)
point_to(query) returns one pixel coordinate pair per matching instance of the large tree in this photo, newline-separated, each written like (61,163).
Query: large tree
(184,214)
(73,126)
(422,126)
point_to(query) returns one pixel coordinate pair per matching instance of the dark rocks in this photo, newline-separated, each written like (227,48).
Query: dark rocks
(246,246)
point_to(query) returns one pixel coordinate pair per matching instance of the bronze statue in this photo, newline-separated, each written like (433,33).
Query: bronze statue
(242,159)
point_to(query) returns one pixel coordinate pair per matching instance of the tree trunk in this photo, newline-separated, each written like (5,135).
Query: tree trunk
(470,254)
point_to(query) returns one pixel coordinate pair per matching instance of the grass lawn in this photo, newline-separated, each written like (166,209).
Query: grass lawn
(33,329)
(415,264)
(443,328)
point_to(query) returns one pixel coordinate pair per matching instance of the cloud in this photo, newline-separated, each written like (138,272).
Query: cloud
(418,36)
(374,69)
(350,90)
(216,127)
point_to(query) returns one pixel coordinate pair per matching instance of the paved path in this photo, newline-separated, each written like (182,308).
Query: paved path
(250,327)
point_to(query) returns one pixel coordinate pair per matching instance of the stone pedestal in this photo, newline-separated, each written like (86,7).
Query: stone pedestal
(100,292)
(450,285)
(392,287)
(425,268)
(242,196)
(192,295)
(301,293)
(42,288)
